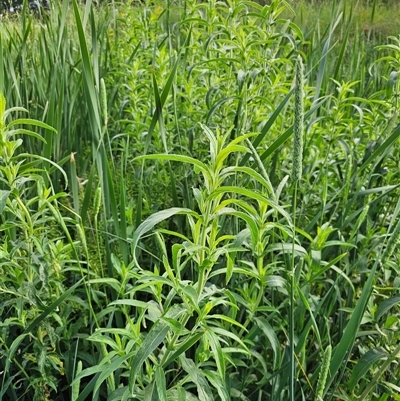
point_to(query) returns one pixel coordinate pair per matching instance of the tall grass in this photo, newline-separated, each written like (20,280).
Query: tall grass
(191,249)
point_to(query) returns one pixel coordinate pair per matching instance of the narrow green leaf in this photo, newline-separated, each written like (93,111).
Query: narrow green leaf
(108,369)
(29,121)
(154,219)
(219,384)
(272,338)
(52,307)
(179,158)
(152,340)
(161,101)
(347,341)
(3,199)
(13,348)
(365,362)
(385,305)
(188,343)
(267,126)
(161,384)
(288,133)
(381,149)
(198,378)
(217,352)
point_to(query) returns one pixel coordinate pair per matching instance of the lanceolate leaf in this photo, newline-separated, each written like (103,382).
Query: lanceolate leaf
(217,352)
(365,362)
(161,384)
(347,341)
(386,305)
(198,378)
(153,339)
(154,219)
(52,307)
(3,199)
(178,158)
(188,343)
(272,339)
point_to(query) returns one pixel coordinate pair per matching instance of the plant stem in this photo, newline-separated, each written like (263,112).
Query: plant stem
(291,300)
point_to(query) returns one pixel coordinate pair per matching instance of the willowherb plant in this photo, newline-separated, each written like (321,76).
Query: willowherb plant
(30,265)
(192,311)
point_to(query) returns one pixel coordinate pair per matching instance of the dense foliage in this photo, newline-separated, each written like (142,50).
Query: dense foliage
(202,205)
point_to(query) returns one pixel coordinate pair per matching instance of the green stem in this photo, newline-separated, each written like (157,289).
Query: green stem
(260,267)
(291,300)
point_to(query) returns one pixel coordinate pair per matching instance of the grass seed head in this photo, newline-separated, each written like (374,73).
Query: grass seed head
(298,122)
(97,201)
(323,374)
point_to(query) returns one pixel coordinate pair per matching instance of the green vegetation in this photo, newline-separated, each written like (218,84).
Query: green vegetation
(203,203)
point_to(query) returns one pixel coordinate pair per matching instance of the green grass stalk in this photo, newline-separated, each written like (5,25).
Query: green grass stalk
(296,176)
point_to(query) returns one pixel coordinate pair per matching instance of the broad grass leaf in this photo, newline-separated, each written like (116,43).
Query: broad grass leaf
(252,173)
(152,340)
(2,98)
(385,305)
(365,362)
(97,368)
(20,131)
(312,318)
(88,76)
(226,319)
(197,376)
(230,334)
(224,153)
(121,332)
(325,52)
(43,159)
(191,295)
(277,282)
(112,282)
(118,394)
